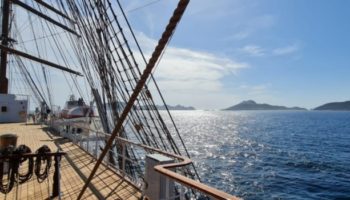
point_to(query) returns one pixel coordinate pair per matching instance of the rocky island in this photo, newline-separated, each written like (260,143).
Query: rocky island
(159,107)
(252,105)
(339,106)
(177,107)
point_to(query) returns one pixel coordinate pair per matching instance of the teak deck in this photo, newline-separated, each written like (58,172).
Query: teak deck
(75,168)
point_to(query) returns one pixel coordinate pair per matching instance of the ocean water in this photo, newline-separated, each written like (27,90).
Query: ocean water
(270,154)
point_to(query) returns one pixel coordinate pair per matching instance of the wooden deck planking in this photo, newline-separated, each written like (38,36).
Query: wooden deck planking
(75,168)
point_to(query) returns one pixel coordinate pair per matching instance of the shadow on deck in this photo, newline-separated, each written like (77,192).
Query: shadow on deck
(75,168)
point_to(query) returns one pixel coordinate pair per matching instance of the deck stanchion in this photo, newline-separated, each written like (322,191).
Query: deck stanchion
(167,197)
(182,192)
(56,178)
(123,164)
(96,147)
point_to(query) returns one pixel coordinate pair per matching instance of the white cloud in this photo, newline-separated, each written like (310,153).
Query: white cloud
(253,50)
(241,35)
(184,64)
(194,73)
(251,26)
(286,50)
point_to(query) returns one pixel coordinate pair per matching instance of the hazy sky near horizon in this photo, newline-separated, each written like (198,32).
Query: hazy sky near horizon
(293,53)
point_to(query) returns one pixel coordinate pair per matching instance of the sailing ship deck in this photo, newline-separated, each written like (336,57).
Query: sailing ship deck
(75,168)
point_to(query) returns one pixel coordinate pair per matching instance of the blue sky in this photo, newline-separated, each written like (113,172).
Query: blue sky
(293,53)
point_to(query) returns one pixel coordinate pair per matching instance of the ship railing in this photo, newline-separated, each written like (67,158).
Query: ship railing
(186,188)
(21,97)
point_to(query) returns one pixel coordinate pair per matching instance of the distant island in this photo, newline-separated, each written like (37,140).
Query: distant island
(252,105)
(121,105)
(345,106)
(177,107)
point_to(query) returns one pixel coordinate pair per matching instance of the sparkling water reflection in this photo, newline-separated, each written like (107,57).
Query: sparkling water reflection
(270,154)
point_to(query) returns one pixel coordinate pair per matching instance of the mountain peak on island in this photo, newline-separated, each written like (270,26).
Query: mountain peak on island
(345,105)
(252,105)
(177,107)
(248,102)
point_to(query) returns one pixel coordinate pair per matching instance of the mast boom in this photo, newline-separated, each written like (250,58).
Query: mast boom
(49,19)
(45,62)
(53,9)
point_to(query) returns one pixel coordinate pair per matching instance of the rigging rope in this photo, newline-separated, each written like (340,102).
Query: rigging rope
(42,66)
(138,88)
(113,61)
(111,69)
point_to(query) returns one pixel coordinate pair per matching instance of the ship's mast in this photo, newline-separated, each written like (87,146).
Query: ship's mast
(4,42)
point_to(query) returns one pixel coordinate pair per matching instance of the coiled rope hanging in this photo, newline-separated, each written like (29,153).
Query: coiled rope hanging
(12,166)
(11,173)
(40,160)
(23,149)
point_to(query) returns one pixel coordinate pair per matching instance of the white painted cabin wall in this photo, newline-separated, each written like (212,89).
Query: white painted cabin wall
(16,109)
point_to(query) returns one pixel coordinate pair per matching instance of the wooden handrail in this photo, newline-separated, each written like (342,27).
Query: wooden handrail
(165,170)
(213,192)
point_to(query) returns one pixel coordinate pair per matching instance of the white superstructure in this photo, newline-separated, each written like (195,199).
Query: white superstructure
(12,109)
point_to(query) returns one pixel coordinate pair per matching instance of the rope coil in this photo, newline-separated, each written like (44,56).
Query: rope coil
(40,160)
(23,149)
(11,174)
